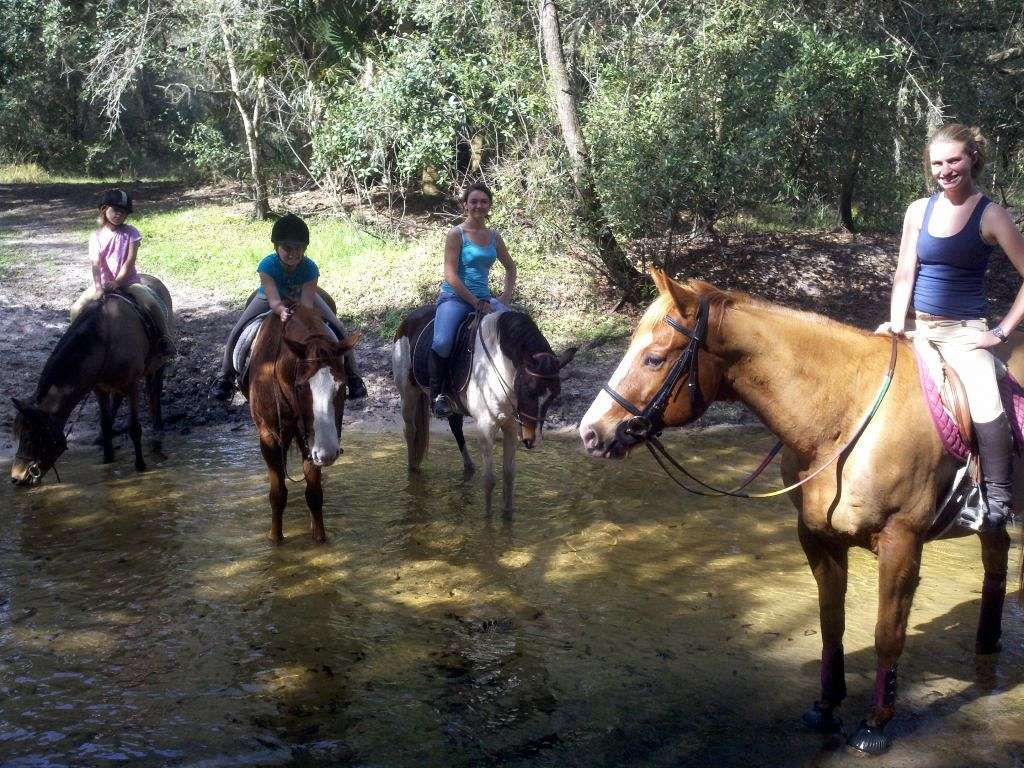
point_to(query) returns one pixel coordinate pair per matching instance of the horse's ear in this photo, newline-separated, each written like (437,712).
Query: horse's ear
(661,280)
(21,406)
(349,341)
(298,349)
(566,357)
(685,298)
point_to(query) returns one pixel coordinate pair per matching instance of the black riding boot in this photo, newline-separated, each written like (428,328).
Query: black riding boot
(438,376)
(995,448)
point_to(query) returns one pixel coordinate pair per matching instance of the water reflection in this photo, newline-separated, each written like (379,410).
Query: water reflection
(609,621)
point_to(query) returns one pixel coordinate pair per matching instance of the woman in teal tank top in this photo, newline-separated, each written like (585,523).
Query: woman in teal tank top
(940,275)
(470,250)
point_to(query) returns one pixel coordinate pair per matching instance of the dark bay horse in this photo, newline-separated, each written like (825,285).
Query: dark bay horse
(513,380)
(811,382)
(106,350)
(296,391)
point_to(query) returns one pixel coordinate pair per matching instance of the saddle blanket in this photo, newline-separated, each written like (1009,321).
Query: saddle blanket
(240,354)
(1010,391)
(460,362)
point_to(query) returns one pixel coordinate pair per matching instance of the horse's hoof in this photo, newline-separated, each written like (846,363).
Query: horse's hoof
(984,649)
(869,740)
(140,466)
(821,721)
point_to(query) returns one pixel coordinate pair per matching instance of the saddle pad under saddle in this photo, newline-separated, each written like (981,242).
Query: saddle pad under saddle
(460,362)
(240,354)
(1010,391)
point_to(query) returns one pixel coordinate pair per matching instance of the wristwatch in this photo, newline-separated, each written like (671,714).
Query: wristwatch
(998,332)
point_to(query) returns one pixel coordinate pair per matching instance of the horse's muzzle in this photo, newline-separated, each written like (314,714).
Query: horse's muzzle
(616,448)
(25,473)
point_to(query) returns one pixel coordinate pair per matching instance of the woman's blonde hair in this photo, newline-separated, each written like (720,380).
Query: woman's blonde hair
(970,136)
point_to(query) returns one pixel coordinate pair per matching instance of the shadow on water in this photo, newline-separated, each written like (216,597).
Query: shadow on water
(607,622)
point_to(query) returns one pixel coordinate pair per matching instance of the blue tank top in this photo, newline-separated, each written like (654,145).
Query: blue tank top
(950,278)
(475,265)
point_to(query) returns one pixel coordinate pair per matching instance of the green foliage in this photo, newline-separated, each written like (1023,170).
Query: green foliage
(209,154)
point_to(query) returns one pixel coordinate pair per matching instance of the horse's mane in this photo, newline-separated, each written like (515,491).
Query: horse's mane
(71,348)
(720,300)
(519,336)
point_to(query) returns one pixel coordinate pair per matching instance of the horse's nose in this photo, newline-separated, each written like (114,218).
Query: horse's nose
(591,442)
(528,443)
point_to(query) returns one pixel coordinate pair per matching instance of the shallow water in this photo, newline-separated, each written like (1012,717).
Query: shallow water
(610,621)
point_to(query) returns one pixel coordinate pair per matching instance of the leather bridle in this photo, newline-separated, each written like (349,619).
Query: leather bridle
(648,422)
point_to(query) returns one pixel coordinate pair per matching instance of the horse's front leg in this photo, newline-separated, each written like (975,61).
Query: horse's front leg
(135,427)
(899,562)
(273,454)
(829,564)
(995,548)
(106,426)
(508,447)
(315,500)
(487,435)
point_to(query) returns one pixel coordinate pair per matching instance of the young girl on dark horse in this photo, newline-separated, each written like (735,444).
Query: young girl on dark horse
(944,254)
(113,249)
(469,251)
(286,275)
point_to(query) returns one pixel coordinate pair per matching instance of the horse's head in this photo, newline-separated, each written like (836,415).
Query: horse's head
(40,440)
(667,377)
(536,384)
(319,383)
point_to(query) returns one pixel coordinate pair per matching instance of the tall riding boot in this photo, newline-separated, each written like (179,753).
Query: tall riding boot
(438,376)
(996,451)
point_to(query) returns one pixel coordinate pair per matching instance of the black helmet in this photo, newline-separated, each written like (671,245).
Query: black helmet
(117,197)
(289,229)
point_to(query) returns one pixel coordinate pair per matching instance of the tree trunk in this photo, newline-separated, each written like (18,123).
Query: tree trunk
(250,125)
(617,267)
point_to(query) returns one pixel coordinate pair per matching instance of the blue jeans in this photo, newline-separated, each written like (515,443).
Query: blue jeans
(451,310)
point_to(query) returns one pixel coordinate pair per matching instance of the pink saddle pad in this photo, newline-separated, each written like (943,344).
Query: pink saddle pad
(1010,391)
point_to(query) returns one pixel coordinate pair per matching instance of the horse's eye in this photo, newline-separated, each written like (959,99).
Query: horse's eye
(653,361)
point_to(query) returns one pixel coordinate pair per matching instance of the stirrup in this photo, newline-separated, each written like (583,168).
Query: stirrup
(441,407)
(223,388)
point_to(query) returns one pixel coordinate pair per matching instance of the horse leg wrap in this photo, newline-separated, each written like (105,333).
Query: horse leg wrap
(993,592)
(833,676)
(884,700)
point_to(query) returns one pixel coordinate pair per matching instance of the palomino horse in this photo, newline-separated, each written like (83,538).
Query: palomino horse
(811,381)
(296,390)
(513,380)
(106,350)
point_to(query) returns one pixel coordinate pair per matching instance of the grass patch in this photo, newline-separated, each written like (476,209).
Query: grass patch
(33,173)
(375,280)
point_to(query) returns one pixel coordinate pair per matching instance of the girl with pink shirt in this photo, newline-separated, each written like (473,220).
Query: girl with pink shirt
(113,247)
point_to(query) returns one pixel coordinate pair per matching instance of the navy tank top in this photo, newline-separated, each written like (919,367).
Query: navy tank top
(950,278)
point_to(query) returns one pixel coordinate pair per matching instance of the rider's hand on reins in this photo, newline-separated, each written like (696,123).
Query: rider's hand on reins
(886,329)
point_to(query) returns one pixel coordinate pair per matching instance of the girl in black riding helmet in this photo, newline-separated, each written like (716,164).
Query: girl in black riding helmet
(287,274)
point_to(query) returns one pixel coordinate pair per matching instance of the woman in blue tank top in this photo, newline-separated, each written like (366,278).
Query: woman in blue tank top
(944,254)
(469,251)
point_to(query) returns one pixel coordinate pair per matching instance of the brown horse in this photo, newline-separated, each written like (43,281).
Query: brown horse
(296,391)
(106,350)
(811,381)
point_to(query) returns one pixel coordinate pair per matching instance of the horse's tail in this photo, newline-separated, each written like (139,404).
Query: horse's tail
(415,403)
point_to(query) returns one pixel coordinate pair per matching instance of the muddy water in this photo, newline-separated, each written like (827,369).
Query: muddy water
(149,621)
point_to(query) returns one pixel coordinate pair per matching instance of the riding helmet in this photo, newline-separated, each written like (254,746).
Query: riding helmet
(289,229)
(118,198)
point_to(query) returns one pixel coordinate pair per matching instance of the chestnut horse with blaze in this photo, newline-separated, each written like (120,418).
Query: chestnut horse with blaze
(811,381)
(296,391)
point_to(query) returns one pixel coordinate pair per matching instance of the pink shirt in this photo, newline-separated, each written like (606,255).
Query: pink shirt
(108,249)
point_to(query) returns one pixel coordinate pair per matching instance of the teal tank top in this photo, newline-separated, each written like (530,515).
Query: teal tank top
(475,265)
